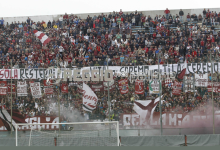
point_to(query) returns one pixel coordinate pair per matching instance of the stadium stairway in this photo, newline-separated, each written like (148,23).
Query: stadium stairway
(138,28)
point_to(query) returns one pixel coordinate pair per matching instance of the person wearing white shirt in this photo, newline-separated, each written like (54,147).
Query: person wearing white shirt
(194,31)
(93,44)
(86,37)
(65,34)
(133,21)
(113,42)
(64,63)
(118,44)
(34,26)
(217,48)
(61,49)
(110,36)
(148,43)
(188,47)
(166,55)
(146,18)
(194,27)
(61,21)
(178,28)
(47,112)
(113,20)
(124,42)
(80,32)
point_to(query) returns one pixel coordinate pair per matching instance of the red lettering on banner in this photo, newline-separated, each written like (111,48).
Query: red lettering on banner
(15,74)
(85,96)
(89,97)
(1,74)
(94,99)
(7,74)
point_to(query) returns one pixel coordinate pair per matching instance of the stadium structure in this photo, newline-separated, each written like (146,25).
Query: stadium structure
(164,71)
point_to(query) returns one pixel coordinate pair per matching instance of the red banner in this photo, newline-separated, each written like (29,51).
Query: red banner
(33,120)
(177,88)
(168,82)
(3,87)
(48,87)
(64,88)
(139,87)
(97,87)
(170,120)
(13,88)
(111,85)
(123,85)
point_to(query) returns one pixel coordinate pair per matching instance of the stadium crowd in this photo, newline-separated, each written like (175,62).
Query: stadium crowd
(102,39)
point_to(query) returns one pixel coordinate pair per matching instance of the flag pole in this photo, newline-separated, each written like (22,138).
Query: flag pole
(11,97)
(109,103)
(161,126)
(58,95)
(212,97)
(108,95)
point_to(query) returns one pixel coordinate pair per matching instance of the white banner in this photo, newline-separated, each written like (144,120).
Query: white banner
(201,80)
(154,87)
(89,98)
(166,68)
(21,88)
(188,84)
(35,89)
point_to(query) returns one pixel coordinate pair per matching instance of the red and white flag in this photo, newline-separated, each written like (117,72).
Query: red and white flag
(145,109)
(123,86)
(89,98)
(177,88)
(3,87)
(48,87)
(42,37)
(168,82)
(5,118)
(183,72)
(64,88)
(139,87)
(216,87)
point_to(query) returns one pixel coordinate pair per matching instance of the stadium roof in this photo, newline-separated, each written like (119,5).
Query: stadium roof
(13,8)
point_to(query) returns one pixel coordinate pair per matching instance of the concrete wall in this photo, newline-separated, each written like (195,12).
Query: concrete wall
(46,18)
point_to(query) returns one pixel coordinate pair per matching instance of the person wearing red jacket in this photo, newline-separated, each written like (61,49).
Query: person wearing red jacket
(194,53)
(143,21)
(202,43)
(167,12)
(120,12)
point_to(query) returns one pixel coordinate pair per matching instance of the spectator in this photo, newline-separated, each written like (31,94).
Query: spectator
(167,12)
(29,21)
(181,14)
(188,17)
(64,126)
(204,13)
(212,20)
(1,23)
(61,21)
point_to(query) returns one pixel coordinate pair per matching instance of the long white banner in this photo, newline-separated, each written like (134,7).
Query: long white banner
(166,68)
